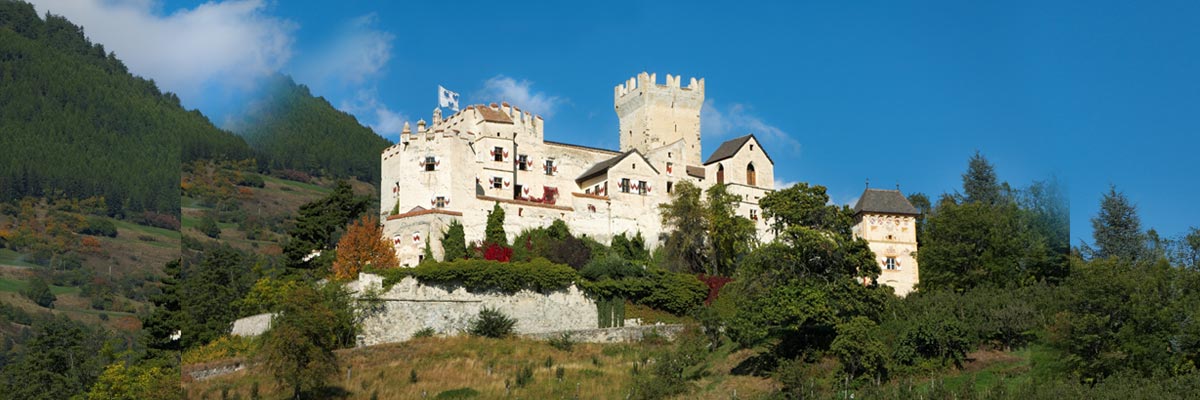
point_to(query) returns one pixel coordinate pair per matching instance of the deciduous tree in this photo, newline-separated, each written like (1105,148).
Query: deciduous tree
(363,245)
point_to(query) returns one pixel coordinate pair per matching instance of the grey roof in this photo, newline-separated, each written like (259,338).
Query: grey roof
(885,202)
(695,171)
(603,166)
(731,147)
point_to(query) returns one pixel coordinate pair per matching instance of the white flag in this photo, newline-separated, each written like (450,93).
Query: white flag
(447,98)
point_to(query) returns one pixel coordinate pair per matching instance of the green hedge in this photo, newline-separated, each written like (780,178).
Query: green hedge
(539,275)
(676,293)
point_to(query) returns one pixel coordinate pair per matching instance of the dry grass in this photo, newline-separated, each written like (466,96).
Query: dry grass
(591,371)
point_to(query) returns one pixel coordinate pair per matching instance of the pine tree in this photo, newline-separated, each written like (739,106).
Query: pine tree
(495,227)
(979,183)
(1117,229)
(454,242)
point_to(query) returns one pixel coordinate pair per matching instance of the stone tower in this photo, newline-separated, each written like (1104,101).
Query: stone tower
(653,115)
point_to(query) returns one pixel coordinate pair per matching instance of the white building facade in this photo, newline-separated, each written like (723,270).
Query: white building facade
(459,167)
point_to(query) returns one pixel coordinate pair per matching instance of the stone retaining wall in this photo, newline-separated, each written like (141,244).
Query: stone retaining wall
(409,306)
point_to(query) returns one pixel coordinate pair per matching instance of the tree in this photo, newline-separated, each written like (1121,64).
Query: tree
(454,242)
(731,235)
(1117,228)
(208,226)
(39,292)
(318,224)
(687,248)
(859,349)
(363,245)
(167,316)
(61,359)
(298,350)
(210,289)
(494,232)
(492,323)
(807,206)
(921,202)
(979,182)
(122,381)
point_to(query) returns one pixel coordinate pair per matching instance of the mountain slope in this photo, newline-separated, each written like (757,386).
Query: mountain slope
(75,122)
(292,129)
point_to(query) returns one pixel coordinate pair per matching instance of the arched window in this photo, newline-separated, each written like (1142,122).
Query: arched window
(720,174)
(750,174)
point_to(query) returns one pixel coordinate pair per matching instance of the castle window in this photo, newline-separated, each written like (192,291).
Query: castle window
(751,147)
(670,187)
(522,162)
(720,174)
(641,187)
(430,163)
(498,154)
(750,176)
(624,185)
(890,263)
(753,214)
(550,167)
(497,182)
(440,202)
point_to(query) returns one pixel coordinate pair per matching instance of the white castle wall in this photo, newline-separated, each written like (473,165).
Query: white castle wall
(410,306)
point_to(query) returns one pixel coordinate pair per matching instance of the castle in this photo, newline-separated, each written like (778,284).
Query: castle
(460,166)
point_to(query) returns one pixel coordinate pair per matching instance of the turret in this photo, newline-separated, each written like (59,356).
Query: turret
(653,115)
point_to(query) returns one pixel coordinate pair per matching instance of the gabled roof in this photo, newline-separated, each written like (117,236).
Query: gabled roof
(695,171)
(493,115)
(731,147)
(885,202)
(603,166)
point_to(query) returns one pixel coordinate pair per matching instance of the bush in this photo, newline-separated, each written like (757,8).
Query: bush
(97,226)
(524,376)
(611,266)
(460,393)
(251,180)
(159,220)
(293,175)
(424,333)
(676,293)
(539,275)
(563,342)
(208,226)
(492,323)
(39,292)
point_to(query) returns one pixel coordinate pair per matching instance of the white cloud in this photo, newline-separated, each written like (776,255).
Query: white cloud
(356,53)
(366,105)
(784,184)
(519,93)
(218,43)
(737,120)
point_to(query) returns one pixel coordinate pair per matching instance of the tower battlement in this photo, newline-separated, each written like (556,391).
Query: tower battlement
(647,80)
(653,115)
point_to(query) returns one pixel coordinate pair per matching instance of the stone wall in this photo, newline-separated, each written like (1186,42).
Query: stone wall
(409,306)
(253,325)
(622,334)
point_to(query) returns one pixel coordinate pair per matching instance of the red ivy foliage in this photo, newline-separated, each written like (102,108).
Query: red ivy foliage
(496,252)
(714,283)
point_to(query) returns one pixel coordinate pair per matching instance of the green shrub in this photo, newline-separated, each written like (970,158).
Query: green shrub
(539,275)
(492,323)
(524,376)
(412,376)
(611,266)
(563,342)
(460,393)
(39,292)
(251,180)
(208,226)
(424,332)
(97,226)
(676,293)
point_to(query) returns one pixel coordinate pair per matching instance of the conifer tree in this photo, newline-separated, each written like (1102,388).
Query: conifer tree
(454,242)
(979,183)
(494,232)
(1117,229)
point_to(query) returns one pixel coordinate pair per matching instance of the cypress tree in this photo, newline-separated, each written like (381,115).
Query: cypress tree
(1117,229)
(495,227)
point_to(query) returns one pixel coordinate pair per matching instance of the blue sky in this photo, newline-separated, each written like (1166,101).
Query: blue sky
(1095,93)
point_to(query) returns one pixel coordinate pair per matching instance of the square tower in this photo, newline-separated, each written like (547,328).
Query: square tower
(653,115)
(887,221)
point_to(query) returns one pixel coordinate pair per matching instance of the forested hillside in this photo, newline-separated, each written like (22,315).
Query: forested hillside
(75,120)
(292,129)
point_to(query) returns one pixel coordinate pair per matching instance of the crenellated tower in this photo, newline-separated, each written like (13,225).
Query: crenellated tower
(653,115)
